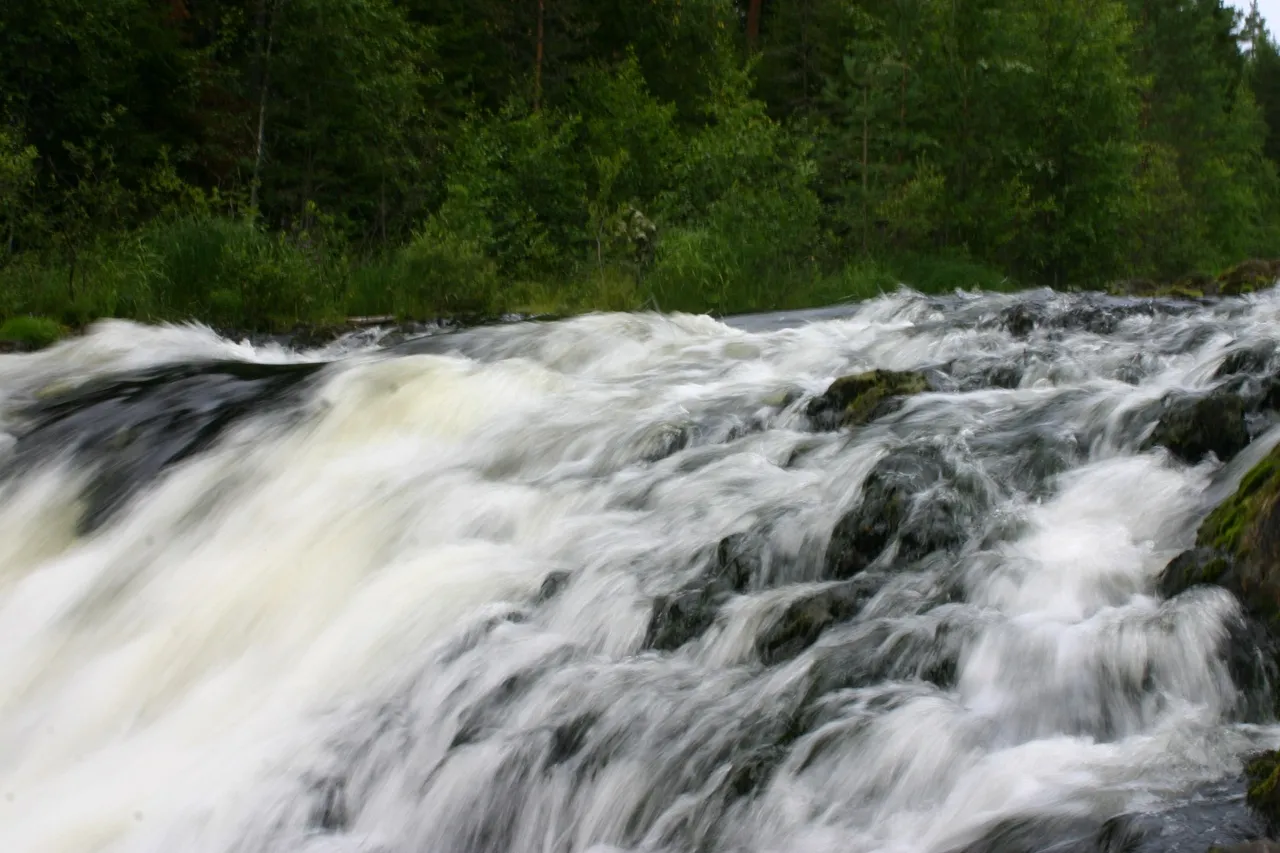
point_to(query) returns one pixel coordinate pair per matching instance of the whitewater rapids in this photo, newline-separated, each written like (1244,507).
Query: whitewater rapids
(403,602)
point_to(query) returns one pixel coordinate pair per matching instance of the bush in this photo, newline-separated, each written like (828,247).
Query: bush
(440,272)
(229,272)
(34,332)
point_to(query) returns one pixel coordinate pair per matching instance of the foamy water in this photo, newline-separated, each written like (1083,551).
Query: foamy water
(327,631)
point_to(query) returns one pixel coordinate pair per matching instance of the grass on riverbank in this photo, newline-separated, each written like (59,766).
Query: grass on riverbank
(230,274)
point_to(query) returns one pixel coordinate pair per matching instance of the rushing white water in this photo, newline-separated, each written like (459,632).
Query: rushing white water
(324,631)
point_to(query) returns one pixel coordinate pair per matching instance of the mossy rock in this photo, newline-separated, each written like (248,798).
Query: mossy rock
(1194,286)
(1263,775)
(1238,544)
(1248,277)
(1238,549)
(24,334)
(863,397)
(1134,287)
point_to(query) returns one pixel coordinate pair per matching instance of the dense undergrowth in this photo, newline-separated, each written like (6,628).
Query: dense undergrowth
(230,273)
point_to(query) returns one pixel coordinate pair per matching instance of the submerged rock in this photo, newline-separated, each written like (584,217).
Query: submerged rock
(129,428)
(1193,427)
(680,617)
(863,397)
(804,619)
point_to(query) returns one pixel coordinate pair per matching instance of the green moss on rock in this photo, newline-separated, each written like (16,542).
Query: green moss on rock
(863,397)
(1248,277)
(1263,775)
(1229,527)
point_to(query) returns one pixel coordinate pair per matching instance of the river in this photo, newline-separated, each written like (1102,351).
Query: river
(527,587)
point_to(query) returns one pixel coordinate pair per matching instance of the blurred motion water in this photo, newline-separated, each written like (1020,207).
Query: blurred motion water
(535,587)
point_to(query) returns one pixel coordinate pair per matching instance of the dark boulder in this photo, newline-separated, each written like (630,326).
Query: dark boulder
(1019,320)
(1193,427)
(1253,359)
(682,616)
(913,498)
(863,397)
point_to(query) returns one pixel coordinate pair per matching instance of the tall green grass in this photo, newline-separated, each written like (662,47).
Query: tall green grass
(230,273)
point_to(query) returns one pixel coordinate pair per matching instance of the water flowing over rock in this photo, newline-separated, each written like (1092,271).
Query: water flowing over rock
(1193,427)
(648,583)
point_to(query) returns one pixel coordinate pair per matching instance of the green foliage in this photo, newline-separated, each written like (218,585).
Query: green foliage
(254,162)
(17,177)
(440,271)
(35,332)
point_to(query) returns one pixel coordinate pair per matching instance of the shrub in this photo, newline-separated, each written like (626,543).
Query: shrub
(32,331)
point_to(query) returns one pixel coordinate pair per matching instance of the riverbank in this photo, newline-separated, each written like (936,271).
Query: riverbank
(241,280)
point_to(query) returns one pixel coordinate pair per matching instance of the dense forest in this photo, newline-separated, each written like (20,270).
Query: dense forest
(253,163)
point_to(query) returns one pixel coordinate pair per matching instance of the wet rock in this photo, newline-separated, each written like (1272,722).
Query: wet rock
(1238,545)
(911,498)
(1253,359)
(1084,314)
(680,617)
(1062,834)
(1193,427)
(1263,775)
(863,397)
(552,585)
(567,738)
(886,650)
(315,336)
(1259,845)
(130,428)
(738,561)
(1193,286)
(750,772)
(804,620)
(1019,320)
(1248,277)
(1003,375)
(1238,548)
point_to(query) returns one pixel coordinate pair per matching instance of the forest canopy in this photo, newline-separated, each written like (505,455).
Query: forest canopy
(257,162)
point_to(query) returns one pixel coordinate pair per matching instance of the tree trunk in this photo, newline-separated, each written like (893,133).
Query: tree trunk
(264,83)
(865,150)
(382,207)
(538,54)
(753,23)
